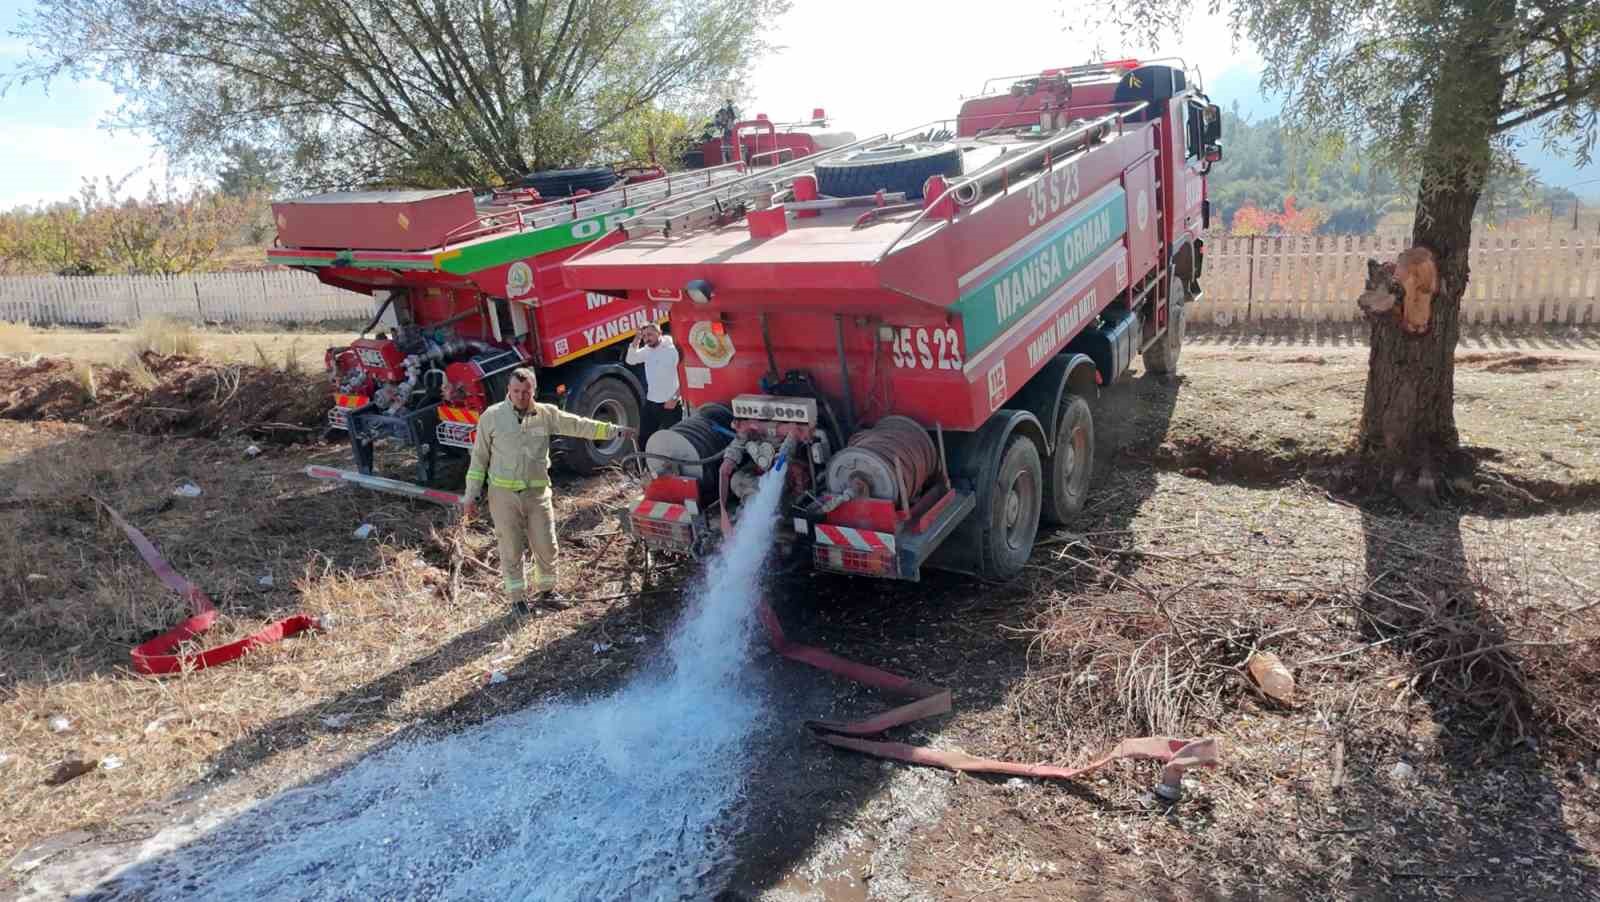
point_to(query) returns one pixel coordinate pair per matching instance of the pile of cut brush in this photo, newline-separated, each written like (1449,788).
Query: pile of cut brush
(168,394)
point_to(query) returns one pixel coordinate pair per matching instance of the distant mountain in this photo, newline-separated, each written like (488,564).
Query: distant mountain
(1242,85)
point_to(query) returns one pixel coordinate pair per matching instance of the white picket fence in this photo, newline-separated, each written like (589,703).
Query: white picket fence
(224,297)
(1515,278)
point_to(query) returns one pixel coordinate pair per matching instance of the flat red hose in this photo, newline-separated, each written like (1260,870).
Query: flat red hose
(158,655)
(1177,755)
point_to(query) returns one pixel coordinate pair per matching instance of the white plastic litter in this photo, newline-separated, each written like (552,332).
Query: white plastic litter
(1402,772)
(252,451)
(110,762)
(601,648)
(37,577)
(497,677)
(5,758)
(364,530)
(60,724)
(327,622)
(187,490)
(265,582)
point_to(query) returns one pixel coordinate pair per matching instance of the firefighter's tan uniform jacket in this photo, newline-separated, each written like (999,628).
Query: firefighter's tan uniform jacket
(512,454)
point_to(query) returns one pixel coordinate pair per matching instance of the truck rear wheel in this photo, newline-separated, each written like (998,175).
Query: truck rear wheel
(609,399)
(1011,519)
(1067,472)
(1161,358)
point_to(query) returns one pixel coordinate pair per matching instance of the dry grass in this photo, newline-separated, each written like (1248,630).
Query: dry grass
(286,349)
(290,362)
(164,335)
(1464,645)
(15,338)
(417,621)
(83,374)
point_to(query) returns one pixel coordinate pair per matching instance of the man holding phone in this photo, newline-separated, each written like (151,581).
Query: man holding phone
(660,358)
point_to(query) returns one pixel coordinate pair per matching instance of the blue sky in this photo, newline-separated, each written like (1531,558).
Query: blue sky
(53,139)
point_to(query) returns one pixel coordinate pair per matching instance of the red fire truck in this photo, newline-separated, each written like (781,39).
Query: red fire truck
(465,289)
(919,322)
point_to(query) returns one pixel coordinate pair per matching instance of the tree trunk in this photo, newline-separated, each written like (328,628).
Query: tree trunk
(1408,424)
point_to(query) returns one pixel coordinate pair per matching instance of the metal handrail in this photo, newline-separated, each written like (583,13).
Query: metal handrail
(1069,70)
(514,217)
(1004,166)
(781,171)
(772,153)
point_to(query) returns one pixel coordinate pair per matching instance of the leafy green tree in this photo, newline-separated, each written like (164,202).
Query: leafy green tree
(648,134)
(1435,90)
(416,92)
(248,171)
(105,231)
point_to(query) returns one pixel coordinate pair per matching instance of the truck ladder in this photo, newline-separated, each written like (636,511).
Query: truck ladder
(725,201)
(546,213)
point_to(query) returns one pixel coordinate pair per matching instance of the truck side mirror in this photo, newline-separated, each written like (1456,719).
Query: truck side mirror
(1212,130)
(1213,153)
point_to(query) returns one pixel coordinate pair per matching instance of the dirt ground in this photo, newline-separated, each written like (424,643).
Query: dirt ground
(1443,740)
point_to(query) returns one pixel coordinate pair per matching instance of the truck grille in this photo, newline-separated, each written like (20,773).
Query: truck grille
(668,527)
(457,435)
(841,549)
(837,559)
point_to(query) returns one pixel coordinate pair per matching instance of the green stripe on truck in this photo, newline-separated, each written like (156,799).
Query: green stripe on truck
(481,255)
(1007,296)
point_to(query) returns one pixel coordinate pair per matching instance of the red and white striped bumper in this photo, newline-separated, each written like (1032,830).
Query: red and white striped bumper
(458,426)
(339,414)
(662,525)
(862,552)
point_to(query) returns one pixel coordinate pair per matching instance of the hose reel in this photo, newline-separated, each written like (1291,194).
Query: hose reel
(890,462)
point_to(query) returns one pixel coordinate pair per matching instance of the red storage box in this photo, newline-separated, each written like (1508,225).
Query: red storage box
(373,220)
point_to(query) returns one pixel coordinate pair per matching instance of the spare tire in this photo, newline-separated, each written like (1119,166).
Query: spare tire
(888,167)
(564,182)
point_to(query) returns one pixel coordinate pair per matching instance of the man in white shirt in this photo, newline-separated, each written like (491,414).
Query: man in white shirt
(660,358)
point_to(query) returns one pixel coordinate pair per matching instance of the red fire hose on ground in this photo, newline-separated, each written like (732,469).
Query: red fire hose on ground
(1178,755)
(159,655)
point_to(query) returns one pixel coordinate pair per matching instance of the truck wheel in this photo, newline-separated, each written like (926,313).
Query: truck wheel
(1161,358)
(1066,476)
(608,399)
(1012,517)
(891,167)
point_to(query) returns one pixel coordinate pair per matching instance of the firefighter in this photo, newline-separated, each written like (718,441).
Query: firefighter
(512,454)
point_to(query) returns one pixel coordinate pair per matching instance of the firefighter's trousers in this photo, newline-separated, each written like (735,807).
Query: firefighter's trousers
(525,520)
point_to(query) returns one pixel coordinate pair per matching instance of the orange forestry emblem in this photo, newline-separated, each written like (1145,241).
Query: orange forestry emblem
(405,223)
